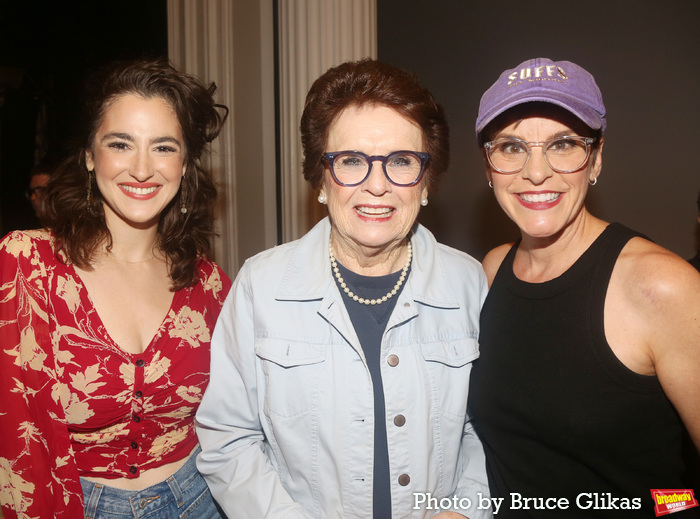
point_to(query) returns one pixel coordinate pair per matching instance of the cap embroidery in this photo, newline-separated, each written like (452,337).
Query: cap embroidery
(541,72)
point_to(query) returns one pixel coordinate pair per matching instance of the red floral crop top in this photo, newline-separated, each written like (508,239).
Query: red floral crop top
(82,406)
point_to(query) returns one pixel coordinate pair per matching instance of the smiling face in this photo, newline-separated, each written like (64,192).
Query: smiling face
(542,202)
(375,216)
(138,156)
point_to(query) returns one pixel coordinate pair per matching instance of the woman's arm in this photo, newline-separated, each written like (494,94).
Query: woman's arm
(233,459)
(38,477)
(472,482)
(675,338)
(653,307)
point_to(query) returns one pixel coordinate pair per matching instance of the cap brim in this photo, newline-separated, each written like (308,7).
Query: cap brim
(588,115)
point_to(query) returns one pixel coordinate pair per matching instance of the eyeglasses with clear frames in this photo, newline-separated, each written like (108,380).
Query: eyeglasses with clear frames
(402,168)
(564,154)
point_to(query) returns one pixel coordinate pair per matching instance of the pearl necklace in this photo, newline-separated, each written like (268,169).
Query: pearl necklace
(362,300)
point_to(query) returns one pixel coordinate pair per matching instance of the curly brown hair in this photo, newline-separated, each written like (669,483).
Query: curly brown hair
(79,225)
(371,82)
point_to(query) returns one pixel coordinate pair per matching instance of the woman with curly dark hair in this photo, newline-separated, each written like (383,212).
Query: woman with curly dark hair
(107,313)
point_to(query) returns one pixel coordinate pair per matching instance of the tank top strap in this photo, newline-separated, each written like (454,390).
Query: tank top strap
(507,263)
(608,247)
(616,237)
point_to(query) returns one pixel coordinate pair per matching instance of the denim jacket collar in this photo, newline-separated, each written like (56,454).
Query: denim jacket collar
(308,276)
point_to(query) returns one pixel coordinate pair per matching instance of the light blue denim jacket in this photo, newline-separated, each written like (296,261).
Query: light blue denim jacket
(286,424)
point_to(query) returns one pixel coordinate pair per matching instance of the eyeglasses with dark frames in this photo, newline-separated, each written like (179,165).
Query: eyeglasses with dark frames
(30,191)
(402,168)
(564,154)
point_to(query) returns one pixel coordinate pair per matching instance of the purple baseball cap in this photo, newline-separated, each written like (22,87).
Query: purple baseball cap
(559,82)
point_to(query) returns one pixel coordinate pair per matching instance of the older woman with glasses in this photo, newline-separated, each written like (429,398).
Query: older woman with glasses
(590,334)
(341,361)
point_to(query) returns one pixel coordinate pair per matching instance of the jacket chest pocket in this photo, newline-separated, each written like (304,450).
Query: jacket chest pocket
(448,365)
(293,375)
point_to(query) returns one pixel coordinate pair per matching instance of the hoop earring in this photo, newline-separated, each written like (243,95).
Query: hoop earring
(321,199)
(490,184)
(423,202)
(183,193)
(594,182)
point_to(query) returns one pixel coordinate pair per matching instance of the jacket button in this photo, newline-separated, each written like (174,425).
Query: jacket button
(404,479)
(399,420)
(393,360)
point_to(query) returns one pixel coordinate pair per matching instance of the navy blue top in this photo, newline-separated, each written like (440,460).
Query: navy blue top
(369,322)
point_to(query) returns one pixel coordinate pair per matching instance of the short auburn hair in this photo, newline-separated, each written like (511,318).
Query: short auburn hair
(370,82)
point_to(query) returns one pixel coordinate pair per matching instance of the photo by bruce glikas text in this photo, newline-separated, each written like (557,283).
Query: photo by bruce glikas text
(515,501)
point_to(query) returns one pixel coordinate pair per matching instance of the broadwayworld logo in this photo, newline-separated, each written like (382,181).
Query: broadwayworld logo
(668,501)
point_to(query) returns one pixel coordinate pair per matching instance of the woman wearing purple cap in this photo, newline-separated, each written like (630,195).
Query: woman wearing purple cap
(590,334)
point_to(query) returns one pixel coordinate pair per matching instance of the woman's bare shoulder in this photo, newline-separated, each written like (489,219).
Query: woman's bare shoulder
(493,259)
(654,278)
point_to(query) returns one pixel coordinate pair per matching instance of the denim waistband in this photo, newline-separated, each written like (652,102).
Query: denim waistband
(135,503)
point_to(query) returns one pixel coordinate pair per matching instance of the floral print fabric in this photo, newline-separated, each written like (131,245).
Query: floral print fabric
(82,406)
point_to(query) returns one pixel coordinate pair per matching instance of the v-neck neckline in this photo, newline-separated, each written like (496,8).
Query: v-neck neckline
(90,308)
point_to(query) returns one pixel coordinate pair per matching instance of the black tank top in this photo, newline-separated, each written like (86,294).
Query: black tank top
(558,413)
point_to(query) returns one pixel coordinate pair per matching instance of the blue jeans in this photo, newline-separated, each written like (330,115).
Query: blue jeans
(184,494)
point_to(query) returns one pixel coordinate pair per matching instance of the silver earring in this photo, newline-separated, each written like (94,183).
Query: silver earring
(423,202)
(594,182)
(183,190)
(490,184)
(321,199)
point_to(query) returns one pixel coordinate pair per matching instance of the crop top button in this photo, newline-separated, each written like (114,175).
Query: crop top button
(138,394)
(136,418)
(134,445)
(140,363)
(133,469)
